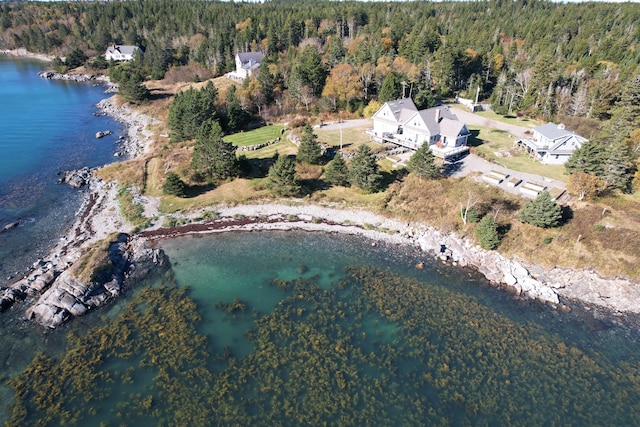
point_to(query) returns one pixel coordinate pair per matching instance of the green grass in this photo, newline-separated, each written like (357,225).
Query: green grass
(351,137)
(512,119)
(256,136)
(497,147)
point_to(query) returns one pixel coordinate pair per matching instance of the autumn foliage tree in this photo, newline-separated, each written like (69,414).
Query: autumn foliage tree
(582,184)
(342,85)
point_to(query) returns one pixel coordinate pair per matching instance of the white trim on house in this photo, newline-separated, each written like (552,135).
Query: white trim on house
(551,144)
(399,122)
(247,64)
(121,52)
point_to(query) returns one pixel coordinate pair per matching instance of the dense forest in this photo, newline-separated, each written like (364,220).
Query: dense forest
(539,58)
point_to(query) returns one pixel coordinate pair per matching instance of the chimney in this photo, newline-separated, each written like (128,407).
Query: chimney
(437,115)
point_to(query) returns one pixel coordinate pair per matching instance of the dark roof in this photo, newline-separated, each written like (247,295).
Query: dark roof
(250,57)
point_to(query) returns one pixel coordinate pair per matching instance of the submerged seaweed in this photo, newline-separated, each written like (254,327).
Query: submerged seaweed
(373,349)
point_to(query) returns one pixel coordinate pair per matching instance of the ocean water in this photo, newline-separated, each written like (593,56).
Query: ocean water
(45,127)
(296,328)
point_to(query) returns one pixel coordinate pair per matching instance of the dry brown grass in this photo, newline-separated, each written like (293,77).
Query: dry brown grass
(230,193)
(608,243)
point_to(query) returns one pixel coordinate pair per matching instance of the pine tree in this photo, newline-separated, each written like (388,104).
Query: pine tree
(542,212)
(282,179)
(390,89)
(619,167)
(589,158)
(487,233)
(423,163)
(337,172)
(174,185)
(213,157)
(309,150)
(364,171)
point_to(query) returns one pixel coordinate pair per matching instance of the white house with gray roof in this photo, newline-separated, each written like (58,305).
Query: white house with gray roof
(401,123)
(552,144)
(118,52)
(247,64)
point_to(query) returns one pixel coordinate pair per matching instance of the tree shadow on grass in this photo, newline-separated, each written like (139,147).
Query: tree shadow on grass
(255,168)
(567,214)
(474,140)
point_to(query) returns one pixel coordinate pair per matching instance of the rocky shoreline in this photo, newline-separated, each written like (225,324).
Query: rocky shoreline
(53,294)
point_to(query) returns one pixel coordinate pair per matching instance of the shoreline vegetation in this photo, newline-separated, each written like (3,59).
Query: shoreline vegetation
(51,299)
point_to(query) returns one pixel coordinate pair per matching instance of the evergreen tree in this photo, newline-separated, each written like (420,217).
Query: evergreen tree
(75,58)
(309,150)
(213,157)
(282,179)
(542,212)
(133,89)
(189,110)
(589,158)
(424,99)
(174,185)
(423,163)
(337,172)
(364,171)
(487,233)
(619,167)
(625,117)
(390,89)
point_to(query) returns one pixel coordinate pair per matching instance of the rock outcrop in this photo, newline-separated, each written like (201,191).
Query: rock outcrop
(102,134)
(52,75)
(496,267)
(129,260)
(76,178)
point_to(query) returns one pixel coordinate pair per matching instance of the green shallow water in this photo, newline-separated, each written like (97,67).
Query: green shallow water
(278,328)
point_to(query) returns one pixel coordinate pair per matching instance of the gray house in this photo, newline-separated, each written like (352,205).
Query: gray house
(552,144)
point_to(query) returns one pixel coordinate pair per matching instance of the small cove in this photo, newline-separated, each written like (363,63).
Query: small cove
(289,323)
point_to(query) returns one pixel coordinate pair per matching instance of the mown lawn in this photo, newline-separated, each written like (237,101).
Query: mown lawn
(256,136)
(511,119)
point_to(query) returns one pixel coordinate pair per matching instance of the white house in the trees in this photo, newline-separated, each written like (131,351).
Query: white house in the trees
(247,64)
(121,52)
(552,144)
(401,123)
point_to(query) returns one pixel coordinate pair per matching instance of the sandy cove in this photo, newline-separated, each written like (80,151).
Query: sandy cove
(49,292)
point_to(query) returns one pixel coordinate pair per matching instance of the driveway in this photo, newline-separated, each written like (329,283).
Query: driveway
(473,163)
(473,119)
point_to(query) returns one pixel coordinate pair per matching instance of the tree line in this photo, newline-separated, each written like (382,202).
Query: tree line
(534,57)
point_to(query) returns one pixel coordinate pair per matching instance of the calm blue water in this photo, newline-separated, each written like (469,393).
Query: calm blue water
(45,127)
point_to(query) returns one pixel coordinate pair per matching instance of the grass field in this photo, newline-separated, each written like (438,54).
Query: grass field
(512,120)
(255,137)
(351,137)
(497,146)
